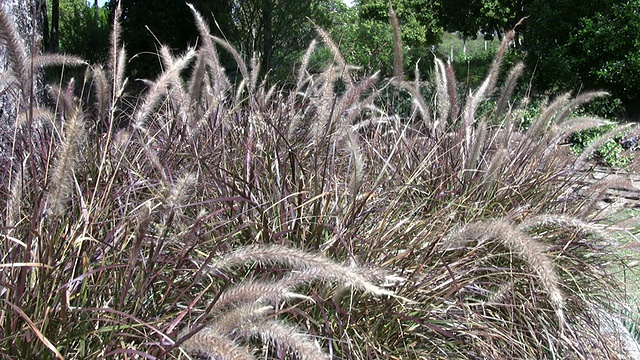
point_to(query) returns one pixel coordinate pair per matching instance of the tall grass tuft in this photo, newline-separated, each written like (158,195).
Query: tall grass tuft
(240,220)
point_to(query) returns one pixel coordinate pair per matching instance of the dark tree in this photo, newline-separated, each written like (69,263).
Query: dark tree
(482,16)
(278,31)
(418,18)
(148,23)
(54,38)
(586,45)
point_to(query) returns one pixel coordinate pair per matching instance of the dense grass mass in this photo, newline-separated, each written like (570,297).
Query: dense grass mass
(220,217)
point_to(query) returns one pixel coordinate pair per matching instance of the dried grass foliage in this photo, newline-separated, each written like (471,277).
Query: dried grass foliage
(247,221)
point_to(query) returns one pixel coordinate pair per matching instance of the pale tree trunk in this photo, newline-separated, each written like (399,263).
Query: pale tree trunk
(23,12)
(27,16)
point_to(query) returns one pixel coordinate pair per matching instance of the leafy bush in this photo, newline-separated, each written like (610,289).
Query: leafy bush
(611,153)
(81,33)
(134,225)
(589,45)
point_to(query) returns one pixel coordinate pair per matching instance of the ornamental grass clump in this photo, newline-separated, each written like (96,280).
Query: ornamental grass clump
(170,222)
(229,218)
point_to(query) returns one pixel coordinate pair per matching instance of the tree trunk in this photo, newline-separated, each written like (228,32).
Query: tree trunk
(267,33)
(55,25)
(42,8)
(25,16)
(96,13)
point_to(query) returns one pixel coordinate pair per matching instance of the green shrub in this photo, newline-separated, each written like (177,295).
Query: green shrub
(611,153)
(590,45)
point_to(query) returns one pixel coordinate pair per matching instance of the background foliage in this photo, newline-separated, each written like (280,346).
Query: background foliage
(84,30)
(567,45)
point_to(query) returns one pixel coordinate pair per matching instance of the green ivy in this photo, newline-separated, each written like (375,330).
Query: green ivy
(611,153)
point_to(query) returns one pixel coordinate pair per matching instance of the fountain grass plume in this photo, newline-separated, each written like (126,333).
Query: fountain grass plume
(169,78)
(577,101)
(116,63)
(210,342)
(102,90)
(303,76)
(541,123)
(337,56)
(16,52)
(242,66)
(508,88)
(443,104)
(318,265)
(569,222)
(486,88)
(520,244)
(62,176)
(210,54)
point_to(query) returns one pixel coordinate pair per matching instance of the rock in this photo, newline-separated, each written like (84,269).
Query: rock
(629,142)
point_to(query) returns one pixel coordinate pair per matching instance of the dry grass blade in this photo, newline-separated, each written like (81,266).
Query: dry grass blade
(35,329)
